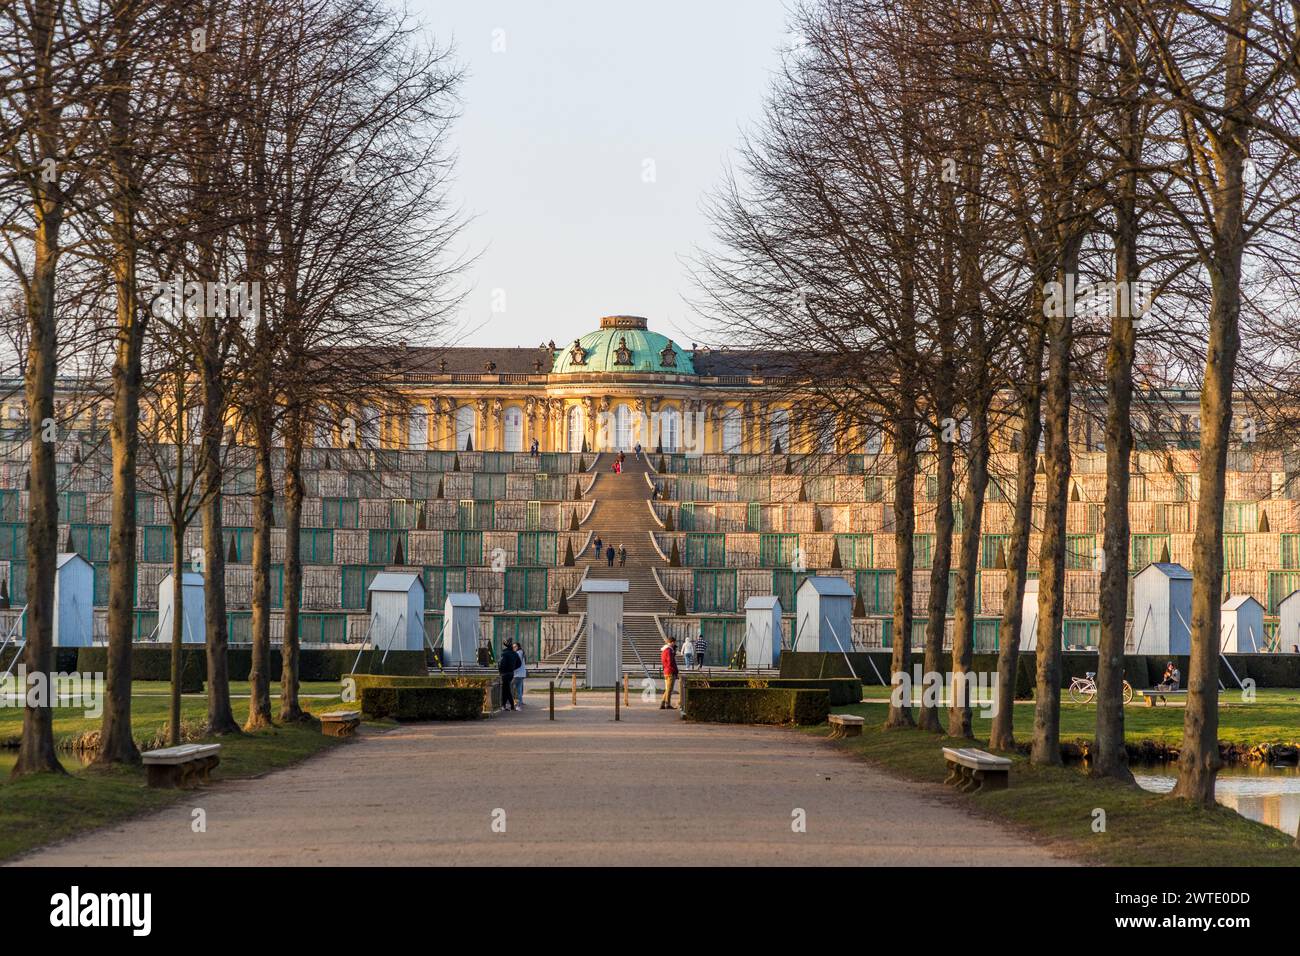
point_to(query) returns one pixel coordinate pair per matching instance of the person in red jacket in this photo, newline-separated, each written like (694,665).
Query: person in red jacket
(668,658)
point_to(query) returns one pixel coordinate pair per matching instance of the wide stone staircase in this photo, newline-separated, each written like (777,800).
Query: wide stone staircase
(622,517)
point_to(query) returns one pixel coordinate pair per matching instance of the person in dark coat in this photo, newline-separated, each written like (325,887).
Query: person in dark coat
(506,667)
(609,555)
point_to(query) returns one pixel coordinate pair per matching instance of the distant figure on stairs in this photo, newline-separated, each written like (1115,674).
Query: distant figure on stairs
(701,645)
(596,547)
(609,555)
(638,451)
(533,449)
(622,555)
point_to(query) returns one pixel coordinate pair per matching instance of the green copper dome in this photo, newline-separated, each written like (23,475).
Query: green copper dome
(623,344)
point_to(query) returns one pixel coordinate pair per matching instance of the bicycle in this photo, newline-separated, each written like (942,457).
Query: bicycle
(1084,689)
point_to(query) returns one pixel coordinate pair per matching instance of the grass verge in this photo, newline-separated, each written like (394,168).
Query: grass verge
(1056,805)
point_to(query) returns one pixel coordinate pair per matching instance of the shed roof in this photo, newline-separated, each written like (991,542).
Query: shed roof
(1175,572)
(828,586)
(189,579)
(763,602)
(1236,601)
(400,581)
(463,599)
(66,556)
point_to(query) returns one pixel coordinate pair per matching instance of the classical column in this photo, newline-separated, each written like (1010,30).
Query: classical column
(481,425)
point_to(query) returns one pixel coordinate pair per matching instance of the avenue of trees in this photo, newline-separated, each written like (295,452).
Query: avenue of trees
(992,217)
(232,212)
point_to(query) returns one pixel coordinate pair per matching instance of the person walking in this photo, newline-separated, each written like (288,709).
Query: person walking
(609,555)
(688,652)
(597,547)
(520,673)
(668,660)
(622,555)
(506,667)
(622,457)
(638,451)
(701,645)
(533,449)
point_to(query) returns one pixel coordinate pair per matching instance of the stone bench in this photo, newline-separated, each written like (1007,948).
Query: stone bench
(340,723)
(185,766)
(970,770)
(845,725)
(1150,696)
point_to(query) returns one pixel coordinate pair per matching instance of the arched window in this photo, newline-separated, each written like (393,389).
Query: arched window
(514,428)
(417,429)
(732,431)
(670,429)
(466,420)
(622,427)
(575,431)
(779,427)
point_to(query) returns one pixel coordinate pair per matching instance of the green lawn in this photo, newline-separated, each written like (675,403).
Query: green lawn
(1273,717)
(40,809)
(1057,804)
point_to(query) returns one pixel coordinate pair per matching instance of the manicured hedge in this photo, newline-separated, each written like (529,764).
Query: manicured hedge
(153,662)
(753,705)
(488,686)
(843,690)
(422,703)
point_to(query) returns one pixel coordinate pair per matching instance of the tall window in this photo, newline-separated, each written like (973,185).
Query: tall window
(622,427)
(670,429)
(514,428)
(779,427)
(574,442)
(465,421)
(417,429)
(732,432)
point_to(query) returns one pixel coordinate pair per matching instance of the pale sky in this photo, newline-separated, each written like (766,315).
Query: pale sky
(581,103)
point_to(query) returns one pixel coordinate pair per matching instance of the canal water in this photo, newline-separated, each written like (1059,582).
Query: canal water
(1265,794)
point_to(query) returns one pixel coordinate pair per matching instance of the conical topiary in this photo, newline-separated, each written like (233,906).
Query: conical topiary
(573,520)
(1000,559)
(440,490)
(585,449)
(803,494)
(4,593)
(663,465)
(668,520)
(577,490)
(326,465)
(469,442)
(455,464)
(1263,520)
(1164,554)
(681,603)
(659,449)
(1074,491)
(568,554)
(776,446)
(582,463)
(836,561)
(674,556)
(818,524)
(399,553)
(420,523)
(232,553)
(68,546)
(859,607)
(563,607)
(788,469)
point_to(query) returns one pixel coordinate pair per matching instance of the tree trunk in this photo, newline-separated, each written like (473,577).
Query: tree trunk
(178,623)
(116,744)
(937,611)
(1046,747)
(904,523)
(1002,732)
(36,750)
(290,709)
(1110,759)
(259,674)
(221,720)
(963,628)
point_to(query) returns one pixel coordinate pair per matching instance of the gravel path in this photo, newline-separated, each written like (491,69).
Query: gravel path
(649,790)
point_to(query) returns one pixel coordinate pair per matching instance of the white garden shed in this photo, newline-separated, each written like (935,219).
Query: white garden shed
(1162,610)
(604,631)
(763,631)
(824,615)
(1241,625)
(396,611)
(74,601)
(460,628)
(192,627)
(1288,628)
